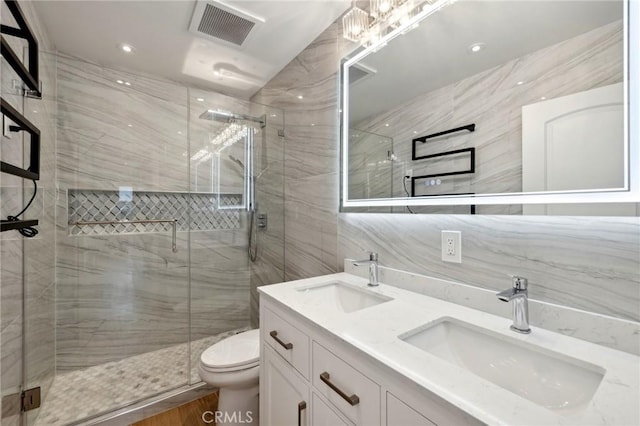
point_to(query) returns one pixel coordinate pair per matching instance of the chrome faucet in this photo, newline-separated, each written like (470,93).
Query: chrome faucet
(373,268)
(519,295)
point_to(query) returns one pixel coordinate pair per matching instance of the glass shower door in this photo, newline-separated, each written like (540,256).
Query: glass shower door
(122,311)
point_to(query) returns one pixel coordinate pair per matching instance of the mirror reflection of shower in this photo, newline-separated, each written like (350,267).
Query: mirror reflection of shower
(239,131)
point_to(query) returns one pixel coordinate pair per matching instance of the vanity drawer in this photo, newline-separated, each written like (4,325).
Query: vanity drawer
(354,394)
(288,341)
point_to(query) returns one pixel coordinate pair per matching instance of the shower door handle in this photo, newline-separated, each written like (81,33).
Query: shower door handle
(274,334)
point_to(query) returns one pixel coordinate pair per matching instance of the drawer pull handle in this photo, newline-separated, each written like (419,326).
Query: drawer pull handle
(353,399)
(301,406)
(274,334)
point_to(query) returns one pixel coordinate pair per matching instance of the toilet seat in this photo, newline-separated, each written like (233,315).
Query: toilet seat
(238,352)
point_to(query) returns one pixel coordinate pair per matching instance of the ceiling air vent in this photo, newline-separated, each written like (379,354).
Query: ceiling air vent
(222,22)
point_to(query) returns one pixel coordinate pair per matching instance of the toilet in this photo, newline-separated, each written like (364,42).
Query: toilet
(233,366)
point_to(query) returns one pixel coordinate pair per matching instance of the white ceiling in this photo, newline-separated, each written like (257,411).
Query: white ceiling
(435,54)
(159,31)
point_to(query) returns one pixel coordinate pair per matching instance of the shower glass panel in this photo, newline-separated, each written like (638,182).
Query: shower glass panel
(236,164)
(122,306)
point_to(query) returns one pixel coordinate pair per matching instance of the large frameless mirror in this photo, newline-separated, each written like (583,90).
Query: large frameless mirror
(505,107)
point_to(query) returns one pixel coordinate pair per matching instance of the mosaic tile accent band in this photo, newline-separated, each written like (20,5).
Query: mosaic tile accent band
(207,212)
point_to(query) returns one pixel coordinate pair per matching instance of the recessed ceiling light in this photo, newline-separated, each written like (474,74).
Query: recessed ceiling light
(543,98)
(200,99)
(119,81)
(126,83)
(300,97)
(129,125)
(476,47)
(415,132)
(386,125)
(520,83)
(126,48)
(312,124)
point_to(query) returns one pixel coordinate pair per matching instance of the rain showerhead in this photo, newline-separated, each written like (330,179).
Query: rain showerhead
(229,117)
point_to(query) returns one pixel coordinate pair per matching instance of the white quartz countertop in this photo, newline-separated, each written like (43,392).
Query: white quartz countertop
(375,332)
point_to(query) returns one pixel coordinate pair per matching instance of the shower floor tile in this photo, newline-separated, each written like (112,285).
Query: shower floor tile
(93,391)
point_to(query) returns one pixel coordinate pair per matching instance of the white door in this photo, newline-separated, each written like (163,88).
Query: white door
(575,142)
(284,395)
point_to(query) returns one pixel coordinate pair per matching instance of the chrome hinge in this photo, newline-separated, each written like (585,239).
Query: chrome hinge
(30,399)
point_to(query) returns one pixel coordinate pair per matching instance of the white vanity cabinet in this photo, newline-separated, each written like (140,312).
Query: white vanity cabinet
(309,377)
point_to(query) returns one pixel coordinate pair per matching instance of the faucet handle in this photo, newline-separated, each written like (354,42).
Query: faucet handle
(519,283)
(373,256)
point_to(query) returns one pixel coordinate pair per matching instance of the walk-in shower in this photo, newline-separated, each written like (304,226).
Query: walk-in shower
(132,315)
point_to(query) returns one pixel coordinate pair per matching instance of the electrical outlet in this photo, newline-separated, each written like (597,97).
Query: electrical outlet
(451,246)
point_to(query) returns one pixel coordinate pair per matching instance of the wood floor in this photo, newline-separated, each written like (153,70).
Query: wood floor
(189,414)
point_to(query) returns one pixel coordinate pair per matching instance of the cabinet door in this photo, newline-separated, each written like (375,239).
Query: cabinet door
(322,415)
(400,414)
(284,395)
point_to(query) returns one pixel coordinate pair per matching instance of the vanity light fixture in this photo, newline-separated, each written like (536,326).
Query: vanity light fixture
(367,28)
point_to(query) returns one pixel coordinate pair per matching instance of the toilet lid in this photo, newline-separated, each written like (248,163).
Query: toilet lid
(237,350)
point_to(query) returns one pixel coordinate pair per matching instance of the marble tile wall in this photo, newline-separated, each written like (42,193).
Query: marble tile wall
(28,264)
(493,101)
(587,263)
(310,154)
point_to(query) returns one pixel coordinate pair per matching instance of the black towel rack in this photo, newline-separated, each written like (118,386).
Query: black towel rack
(422,139)
(30,77)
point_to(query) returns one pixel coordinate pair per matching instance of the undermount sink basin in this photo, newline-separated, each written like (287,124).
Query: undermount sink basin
(341,297)
(549,379)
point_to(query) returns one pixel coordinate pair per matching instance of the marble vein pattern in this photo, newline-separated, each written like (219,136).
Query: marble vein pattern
(310,155)
(603,330)
(493,101)
(90,392)
(587,263)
